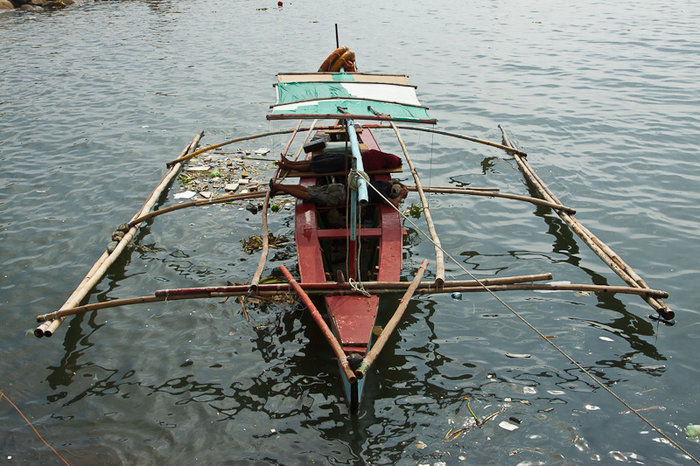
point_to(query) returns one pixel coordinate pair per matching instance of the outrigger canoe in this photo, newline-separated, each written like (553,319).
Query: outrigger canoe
(345,267)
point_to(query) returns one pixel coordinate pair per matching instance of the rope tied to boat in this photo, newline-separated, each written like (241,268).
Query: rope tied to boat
(354,175)
(357,286)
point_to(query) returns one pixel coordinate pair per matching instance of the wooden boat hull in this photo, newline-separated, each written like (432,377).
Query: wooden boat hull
(379,246)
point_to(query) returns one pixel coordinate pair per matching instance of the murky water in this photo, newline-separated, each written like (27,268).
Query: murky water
(604,97)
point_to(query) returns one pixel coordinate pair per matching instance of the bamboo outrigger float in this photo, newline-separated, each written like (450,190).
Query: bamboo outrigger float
(346,267)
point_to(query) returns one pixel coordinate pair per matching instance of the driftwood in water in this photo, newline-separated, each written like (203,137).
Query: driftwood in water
(439,257)
(602,250)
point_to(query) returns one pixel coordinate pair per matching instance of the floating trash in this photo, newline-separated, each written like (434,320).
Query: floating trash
(262,151)
(592,407)
(518,355)
(456,295)
(198,168)
(231,186)
(692,430)
(185,195)
(254,242)
(529,390)
(507,426)
(653,368)
(606,339)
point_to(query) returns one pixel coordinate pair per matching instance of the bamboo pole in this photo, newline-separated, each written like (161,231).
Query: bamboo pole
(340,289)
(335,286)
(265,231)
(103,263)
(198,203)
(439,257)
(391,325)
(327,333)
(481,192)
(184,158)
(454,135)
(603,251)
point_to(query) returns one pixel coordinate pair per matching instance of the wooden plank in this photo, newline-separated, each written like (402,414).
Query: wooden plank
(372,78)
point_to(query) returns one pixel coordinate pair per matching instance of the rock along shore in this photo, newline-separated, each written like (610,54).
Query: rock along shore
(36,4)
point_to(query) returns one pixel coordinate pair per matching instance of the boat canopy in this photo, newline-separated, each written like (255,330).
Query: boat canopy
(360,96)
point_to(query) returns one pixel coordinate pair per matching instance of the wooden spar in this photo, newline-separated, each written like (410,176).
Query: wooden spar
(186,157)
(265,232)
(327,333)
(335,286)
(391,325)
(439,258)
(481,192)
(455,135)
(468,286)
(550,287)
(198,203)
(603,251)
(106,260)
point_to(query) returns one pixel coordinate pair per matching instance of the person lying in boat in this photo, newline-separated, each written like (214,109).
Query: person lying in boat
(329,162)
(334,194)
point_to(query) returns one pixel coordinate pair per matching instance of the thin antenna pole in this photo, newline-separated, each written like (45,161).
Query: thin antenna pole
(337,43)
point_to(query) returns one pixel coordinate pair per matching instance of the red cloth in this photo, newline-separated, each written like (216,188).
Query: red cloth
(377,160)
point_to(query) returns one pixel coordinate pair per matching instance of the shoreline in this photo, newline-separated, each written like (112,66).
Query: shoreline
(14,5)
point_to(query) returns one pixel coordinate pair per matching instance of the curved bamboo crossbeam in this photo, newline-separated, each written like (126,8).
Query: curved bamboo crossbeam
(184,158)
(202,202)
(265,232)
(454,135)
(603,251)
(107,259)
(439,256)
(491,193)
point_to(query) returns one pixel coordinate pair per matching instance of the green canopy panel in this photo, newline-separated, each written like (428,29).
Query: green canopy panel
(348,95)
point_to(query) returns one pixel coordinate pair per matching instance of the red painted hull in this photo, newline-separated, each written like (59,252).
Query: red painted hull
(352,318)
